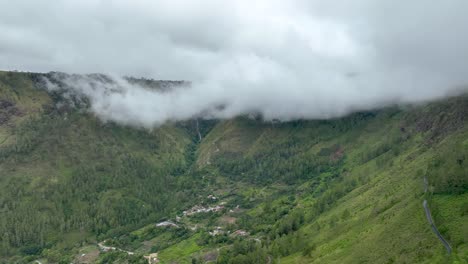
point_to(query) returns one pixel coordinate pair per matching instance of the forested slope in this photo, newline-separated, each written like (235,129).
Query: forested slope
(65,173)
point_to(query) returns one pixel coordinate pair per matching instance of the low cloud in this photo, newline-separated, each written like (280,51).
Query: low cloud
(281,59)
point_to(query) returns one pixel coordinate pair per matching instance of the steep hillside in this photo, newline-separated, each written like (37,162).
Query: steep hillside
(346,190)
(360,183)
(66,177)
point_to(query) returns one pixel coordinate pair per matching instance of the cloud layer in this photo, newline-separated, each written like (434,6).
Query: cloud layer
(282,59)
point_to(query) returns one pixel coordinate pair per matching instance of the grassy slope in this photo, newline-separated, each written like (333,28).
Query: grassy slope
(386,221)
(27,100)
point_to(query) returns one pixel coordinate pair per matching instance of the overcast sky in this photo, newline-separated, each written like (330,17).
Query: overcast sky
(283,59)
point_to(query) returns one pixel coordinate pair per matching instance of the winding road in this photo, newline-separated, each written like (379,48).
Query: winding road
(431,222)
(434,228)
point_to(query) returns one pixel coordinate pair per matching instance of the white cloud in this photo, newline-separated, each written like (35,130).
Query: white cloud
(283,59)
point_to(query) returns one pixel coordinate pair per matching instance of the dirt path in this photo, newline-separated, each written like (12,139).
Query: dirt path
(105,248)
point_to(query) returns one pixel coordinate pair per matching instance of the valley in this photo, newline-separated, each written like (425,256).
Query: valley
(75,189)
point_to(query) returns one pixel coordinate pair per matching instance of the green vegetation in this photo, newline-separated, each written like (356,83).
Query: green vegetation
(347,190)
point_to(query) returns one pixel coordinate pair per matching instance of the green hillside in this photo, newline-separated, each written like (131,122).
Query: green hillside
(346,190)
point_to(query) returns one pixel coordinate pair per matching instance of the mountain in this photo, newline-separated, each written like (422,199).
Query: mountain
(74,189)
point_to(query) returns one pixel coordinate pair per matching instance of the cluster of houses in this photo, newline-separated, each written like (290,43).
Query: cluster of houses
(240,232)
(200,209)
(219,231)
(212,197)
(153,257)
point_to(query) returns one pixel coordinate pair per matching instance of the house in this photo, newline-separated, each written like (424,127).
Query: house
(240,232)
(167,223)
(152,258)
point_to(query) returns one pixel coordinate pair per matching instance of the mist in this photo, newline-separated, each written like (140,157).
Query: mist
(281,60)
(117,99)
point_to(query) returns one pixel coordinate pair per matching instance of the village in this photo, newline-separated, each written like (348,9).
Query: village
(182,221)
